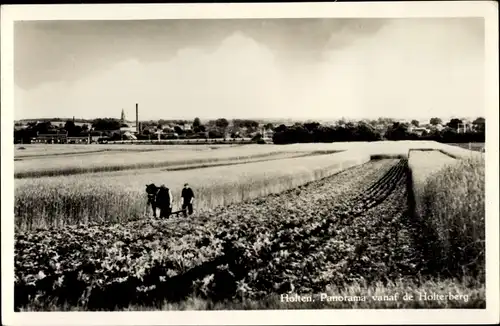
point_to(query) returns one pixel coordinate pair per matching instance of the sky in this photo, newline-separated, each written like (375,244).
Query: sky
(270,68)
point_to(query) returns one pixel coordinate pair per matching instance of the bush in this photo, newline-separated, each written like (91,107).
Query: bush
(215,134)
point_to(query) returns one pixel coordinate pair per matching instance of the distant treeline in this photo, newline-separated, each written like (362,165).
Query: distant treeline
(401,131)
(57,120)
(317,133)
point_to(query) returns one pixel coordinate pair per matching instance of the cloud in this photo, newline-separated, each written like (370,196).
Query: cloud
(416,67)
(401,68)
(235,77)
(61,50)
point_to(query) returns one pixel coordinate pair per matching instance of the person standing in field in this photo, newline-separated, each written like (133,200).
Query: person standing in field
(164,201)
(187,200)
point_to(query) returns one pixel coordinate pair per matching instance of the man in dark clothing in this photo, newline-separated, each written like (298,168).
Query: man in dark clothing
(164,201)
(187,200)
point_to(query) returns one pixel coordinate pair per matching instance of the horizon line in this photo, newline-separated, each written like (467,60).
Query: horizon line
(256,119)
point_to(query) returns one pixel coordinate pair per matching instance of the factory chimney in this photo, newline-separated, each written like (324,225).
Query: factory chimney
(137,117)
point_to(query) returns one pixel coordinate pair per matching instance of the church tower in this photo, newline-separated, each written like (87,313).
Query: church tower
(122,118)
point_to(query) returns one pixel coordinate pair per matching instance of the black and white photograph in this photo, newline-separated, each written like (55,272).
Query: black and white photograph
(241,162)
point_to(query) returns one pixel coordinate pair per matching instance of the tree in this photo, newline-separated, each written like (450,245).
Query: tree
(415,123)
(365,132)
(69,126)
(398,131)
(43,127)
(479,121)
(312,126)
(178,130)
(72,129)
(215,134)
(479,124)
(435,121)
(106,124)
(281,128)
(315,132)
(197,126)
(221,123)
(269,126)
(257,137)
(350,126)
(24,135)
(196,122)
(453,124)
(385,121)
(251,124)
(340,122)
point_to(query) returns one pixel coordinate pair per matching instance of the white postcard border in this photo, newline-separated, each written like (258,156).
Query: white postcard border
(421,9)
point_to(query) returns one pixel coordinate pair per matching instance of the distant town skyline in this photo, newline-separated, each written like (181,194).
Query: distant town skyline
(129,119)
(299,69)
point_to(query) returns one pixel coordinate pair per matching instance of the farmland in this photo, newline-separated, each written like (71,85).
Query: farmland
(472,146)
(59,200)
(130,160)
(36,150)
(310,219)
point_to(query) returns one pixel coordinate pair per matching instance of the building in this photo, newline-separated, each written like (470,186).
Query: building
(127,128)
(479,124)
(58,124)
(129,136)
(268,134)
(20,126)
(438,127)
(419,131)
(79,140)
(171,135)
(464,127)
(51,138)
(130,126)
(166,128)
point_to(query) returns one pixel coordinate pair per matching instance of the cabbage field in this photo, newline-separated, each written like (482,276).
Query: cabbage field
(333,222)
